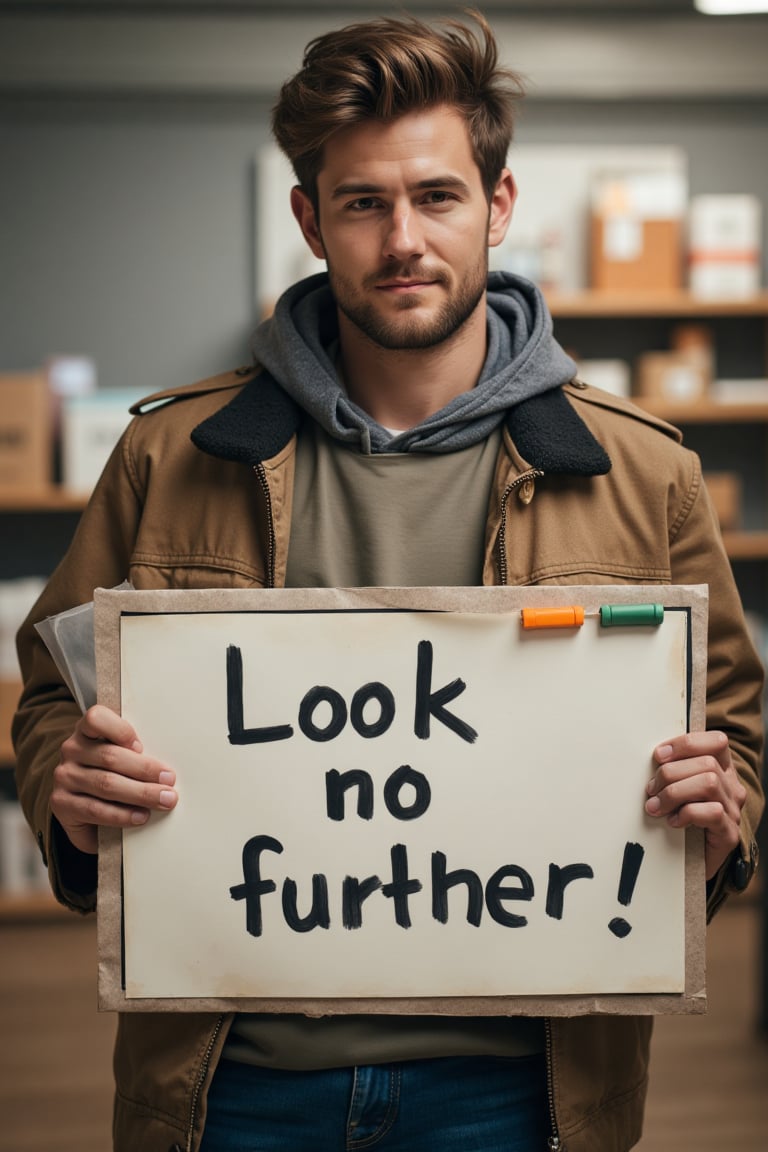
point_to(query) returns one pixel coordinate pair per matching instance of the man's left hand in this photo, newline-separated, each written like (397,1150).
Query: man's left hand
(696,784)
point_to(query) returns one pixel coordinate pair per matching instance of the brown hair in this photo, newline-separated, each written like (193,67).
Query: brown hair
(382,69)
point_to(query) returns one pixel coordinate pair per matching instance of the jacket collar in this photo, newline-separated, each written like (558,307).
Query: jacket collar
(262,418)
(548,433)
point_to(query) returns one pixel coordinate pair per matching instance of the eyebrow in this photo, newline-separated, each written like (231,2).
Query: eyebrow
(362,189)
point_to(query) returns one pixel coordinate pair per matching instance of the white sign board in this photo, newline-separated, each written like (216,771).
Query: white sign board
(396,803)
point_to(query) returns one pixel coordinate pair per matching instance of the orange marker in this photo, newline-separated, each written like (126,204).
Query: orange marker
(569,617)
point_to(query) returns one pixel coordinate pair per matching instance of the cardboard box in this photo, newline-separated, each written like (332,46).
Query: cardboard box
(670,376)
(91,426)
(636,255)
(10,690)
(636,233)
(725,491)
(696,342)
(26,448)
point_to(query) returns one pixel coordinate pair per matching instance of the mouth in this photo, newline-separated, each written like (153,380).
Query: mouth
(405,286)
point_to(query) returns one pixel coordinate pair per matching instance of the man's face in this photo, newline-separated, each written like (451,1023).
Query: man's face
(404,225)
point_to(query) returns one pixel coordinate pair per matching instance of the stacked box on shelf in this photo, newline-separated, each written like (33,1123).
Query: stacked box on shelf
(91,426)
(636,231)
(26,446)
(16,599)
(725,246)
(21,865)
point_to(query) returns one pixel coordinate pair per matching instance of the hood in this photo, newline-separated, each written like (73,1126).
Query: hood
(297,343)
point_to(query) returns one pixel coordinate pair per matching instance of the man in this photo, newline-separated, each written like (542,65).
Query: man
(409,422)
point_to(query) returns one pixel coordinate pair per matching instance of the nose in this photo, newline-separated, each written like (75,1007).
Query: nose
(404,235)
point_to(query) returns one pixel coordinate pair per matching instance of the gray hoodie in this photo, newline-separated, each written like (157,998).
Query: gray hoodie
(296,345)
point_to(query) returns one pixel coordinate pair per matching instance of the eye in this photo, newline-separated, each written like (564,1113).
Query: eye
(362,204)
(438,197)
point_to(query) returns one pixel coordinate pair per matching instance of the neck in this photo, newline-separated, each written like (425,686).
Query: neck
(399,388)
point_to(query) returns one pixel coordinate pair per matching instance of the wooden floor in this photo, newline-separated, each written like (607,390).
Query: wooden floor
(710,1073)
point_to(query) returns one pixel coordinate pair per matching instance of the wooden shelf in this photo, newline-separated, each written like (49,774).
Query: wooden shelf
(50,499)
(586,305)
(26,906)
(746,545)
(703,411)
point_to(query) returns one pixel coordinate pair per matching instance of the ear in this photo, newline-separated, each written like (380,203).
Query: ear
(502,205)
(301,206)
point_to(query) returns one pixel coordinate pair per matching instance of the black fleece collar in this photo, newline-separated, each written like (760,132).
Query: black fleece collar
(254,426)
(262,418)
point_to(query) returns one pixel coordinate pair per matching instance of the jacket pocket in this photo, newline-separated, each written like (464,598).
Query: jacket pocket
(194,573)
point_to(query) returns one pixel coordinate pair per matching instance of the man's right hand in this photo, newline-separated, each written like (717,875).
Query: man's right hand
(104,777)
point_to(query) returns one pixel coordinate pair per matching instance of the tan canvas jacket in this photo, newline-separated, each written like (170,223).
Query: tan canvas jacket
(587,489)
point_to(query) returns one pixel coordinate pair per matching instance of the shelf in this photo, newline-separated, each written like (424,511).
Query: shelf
(746,545)
(50,499)
(586,305)
(703,411)
(26,906)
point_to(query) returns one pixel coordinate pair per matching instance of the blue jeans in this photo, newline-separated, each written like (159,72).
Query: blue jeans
(461,1104)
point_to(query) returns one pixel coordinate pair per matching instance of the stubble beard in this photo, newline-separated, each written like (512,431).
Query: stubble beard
(404,333)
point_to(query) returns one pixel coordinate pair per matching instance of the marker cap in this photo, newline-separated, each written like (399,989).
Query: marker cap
(571,616)
(631,615)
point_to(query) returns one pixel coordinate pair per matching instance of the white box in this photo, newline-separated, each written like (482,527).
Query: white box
(21,865)
(613,376)
(725,245)
(725,279)
(725,223)
(16,600)
(747,391)
(91,426)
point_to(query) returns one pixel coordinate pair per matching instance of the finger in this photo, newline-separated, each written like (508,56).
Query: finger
(709,816)
(104,799)
(81,817)
(667,774)
(721,835)
(699,781)
(101,723)
(95,754)
(74,809)
(140,782)
(691,745)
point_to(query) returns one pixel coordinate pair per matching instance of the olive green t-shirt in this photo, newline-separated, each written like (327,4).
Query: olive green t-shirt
(388,520)
(383,520)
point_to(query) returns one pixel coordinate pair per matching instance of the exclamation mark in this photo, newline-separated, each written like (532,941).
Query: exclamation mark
(630,869)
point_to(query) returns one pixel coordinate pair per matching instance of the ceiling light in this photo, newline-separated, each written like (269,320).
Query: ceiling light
(730,7)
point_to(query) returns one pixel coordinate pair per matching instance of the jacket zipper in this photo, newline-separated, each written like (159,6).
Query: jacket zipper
(554,1143)
(531,474)
(200,1081)
(262,478)
(261,473)
(271,577)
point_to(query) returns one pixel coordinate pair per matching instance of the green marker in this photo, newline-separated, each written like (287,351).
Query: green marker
(631,615)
